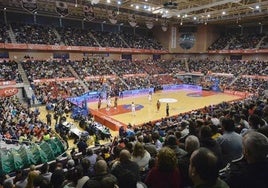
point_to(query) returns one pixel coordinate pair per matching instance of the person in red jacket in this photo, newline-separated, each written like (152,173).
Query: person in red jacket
(165,173)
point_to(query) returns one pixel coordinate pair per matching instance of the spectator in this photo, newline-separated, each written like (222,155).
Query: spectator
(203,170)
(230,142)
(165,173)
(126,169)
(250,170)
(101,177)
(191,144)
(141,156)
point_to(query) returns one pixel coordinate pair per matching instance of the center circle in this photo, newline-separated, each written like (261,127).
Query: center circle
(168,100)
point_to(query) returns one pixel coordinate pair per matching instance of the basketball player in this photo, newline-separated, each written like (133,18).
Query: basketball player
(109,103)
(115,102)
(158,104)
(150,96)
(99,103)
(133,110)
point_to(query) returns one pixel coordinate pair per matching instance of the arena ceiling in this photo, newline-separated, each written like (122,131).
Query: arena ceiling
(181,12)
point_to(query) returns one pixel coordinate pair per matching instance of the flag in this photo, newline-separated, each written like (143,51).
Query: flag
(29,5)
(132,20)
(149,24)
(89,13)
(112,16)
(164,25)
(62,8)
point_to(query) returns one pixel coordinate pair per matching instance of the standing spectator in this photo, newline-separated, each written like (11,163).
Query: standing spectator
(204,171)
(165,173)
(230,142)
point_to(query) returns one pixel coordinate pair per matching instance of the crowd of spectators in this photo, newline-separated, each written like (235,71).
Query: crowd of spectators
(35,34)
(76,37)
(20,124)
(249,85)
(46,69)
(123,75)
(140,42)
(48,91)
(245,41)
(109,39)
(90,67)
(4,36)
(221,43)
(137,82)
(237,41)
(126,67)
(264,43)
(186,150)
(39,34)
(9,71)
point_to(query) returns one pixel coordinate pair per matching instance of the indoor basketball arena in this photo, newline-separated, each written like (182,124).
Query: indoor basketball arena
(133,93)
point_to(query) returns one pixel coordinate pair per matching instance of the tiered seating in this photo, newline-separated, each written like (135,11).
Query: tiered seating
(136,41)
(88,67)
(137,82)
(126,67)
(109,39)
(221,42)
(9,71)
(35,34)
(76,37)
(246,41)
(4,37)
(46,69)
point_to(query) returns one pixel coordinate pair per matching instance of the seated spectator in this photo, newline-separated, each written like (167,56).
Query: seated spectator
(251,169)
(191,144)
(211,144)
(126,169)
(165,173)
(141,156)
(45,171)
(204,171)
(102,177)
(230,142)
(172,143)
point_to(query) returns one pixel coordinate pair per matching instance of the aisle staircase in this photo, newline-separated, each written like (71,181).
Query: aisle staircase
(114,73)
(58,36)
(12,35)
(26,84)
(77,77)
(92,36)
(124,41)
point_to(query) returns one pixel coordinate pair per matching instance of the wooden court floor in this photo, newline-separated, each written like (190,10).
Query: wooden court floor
(181,101)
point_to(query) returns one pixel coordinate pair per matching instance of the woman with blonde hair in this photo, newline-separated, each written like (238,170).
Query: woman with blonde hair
(165,173)
(31,177)
(141,156)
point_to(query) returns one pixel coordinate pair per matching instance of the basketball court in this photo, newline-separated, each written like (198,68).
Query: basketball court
(179,101)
